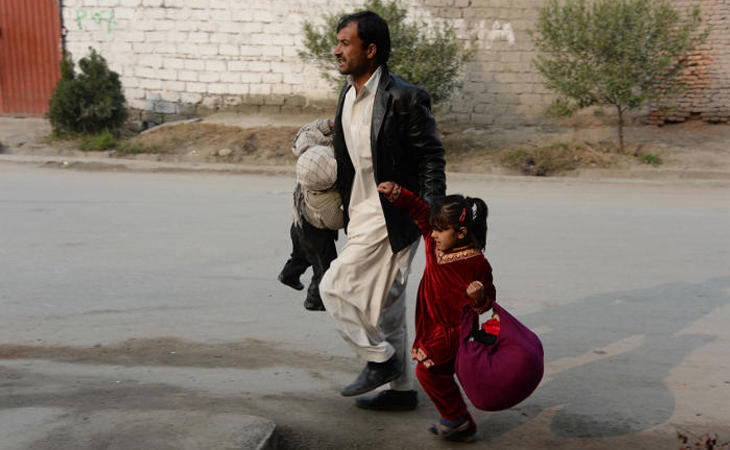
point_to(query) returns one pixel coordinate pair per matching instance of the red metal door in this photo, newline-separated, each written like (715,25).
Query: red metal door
(30,51)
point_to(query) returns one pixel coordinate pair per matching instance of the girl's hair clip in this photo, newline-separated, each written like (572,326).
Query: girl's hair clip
(462,217)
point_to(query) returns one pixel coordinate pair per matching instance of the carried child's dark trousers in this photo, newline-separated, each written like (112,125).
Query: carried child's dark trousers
(314,247)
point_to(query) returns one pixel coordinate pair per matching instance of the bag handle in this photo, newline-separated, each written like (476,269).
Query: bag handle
(469,322)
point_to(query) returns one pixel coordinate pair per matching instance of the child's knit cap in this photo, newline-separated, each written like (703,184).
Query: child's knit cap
(317,168)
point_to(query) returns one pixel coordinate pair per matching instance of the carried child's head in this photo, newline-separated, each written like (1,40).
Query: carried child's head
(459,221)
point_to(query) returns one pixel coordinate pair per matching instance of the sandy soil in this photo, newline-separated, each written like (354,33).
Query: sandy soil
(690,146)
(696,148)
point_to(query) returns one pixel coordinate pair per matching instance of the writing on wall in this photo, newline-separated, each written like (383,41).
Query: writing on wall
(101,18)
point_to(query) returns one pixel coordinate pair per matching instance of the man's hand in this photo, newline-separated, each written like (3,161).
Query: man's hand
(390,190)
(475,291)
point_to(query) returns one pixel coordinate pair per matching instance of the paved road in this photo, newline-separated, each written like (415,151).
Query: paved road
(142,311)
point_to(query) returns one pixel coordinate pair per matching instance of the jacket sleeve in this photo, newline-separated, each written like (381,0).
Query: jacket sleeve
(427,147)
(416,209)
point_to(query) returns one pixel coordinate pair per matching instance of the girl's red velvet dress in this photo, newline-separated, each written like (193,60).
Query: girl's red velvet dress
(440,302)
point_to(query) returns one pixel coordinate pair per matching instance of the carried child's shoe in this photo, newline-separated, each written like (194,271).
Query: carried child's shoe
(292,282)
(314,304)
(455,430)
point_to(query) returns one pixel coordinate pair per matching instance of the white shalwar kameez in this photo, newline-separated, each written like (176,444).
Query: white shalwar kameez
(365,287)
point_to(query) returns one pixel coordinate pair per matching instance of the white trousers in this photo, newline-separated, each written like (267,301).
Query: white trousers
(364,290)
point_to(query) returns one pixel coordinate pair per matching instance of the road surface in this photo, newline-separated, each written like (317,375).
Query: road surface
(141,310)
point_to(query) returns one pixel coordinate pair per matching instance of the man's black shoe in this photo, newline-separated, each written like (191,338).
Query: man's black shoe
(314,304)
(389,400)
(291,282)
(372,376)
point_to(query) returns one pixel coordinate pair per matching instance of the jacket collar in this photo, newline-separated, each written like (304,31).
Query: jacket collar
(380,107)
(372,84)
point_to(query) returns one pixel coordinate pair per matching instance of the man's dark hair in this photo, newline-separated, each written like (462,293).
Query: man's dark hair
(371,29)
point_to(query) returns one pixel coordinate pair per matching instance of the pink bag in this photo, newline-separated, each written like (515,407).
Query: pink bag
(500,375)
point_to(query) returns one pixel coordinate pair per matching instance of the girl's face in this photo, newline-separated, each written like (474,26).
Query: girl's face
(448,238)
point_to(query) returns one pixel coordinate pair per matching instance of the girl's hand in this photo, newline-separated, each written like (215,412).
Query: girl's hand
(390,190)
(475,291)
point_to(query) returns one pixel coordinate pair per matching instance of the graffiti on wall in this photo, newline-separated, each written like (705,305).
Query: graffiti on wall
(102,18)
(499,31)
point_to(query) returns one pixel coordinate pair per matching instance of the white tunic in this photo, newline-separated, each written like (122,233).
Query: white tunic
(367,222)
(364,288)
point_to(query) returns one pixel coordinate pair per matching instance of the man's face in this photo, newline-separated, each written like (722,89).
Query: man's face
(352,59)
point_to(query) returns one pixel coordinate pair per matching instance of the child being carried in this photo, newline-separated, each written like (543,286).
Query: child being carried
(317,211)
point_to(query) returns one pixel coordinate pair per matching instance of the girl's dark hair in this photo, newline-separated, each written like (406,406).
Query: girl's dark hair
(457,211)
(371,29)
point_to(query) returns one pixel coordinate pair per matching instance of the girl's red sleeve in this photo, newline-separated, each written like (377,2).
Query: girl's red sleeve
(416,208)
(490,292)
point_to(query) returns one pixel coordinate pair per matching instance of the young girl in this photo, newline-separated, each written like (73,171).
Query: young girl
(456,274)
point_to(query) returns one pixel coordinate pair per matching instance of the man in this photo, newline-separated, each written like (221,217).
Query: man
(384,131)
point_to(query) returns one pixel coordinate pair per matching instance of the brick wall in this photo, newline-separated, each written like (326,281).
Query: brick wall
(706,77)
(501,87)
(186,57)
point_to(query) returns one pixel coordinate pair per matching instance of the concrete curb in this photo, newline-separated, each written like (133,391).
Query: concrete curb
(139,428)
(270,438)
(133,165)
(110,164)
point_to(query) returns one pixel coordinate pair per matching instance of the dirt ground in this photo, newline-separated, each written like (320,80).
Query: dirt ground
(696,149)
(693,145)
(222,143)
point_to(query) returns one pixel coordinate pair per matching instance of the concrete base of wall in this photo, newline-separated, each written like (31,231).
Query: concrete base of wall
(142,119)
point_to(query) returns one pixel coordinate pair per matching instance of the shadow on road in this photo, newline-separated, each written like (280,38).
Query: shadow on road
(607,357)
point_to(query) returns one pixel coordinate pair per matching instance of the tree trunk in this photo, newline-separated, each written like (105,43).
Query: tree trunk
(620,128)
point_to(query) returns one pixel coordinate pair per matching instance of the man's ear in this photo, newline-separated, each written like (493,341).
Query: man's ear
(371,51)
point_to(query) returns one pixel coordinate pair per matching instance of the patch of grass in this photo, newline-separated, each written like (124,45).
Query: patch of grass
(556,158)
(650,159)
(542,161)
(105,140)
(706,441)
(515,158)
(61,136)
(134,148)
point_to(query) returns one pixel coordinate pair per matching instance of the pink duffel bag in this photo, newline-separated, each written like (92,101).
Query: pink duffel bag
(499,375)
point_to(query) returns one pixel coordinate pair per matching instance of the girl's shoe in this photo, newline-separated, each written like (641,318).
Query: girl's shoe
(464,432)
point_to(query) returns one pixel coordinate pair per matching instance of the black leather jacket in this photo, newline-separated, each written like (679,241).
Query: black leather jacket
(406,149)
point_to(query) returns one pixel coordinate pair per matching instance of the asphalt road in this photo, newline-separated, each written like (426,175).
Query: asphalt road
(141,310)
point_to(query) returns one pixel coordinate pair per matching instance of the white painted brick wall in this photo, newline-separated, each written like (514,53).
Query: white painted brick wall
(190,50)
(221,52)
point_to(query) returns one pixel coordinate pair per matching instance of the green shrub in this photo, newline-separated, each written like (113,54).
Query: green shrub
(88,102)
(613,52)
(427,56)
